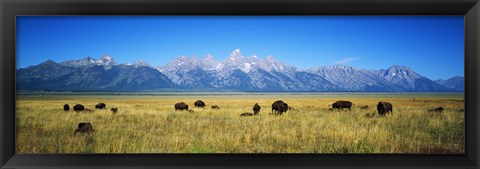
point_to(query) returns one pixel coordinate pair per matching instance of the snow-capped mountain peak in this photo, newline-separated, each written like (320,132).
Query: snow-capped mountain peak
(105,61)
(397,71)
(181,60)
(107,58)
(236,52)
(271,64)
(141,62)
(235,56)
(209,62)
(408,79)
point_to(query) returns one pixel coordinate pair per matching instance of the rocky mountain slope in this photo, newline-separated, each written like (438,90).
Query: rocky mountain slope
(236,72)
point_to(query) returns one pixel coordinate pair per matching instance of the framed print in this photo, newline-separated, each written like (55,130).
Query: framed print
(253,84)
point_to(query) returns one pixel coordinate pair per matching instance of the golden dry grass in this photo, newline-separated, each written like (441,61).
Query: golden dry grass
(149,124)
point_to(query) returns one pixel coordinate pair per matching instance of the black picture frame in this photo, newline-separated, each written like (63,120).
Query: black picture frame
(11,8)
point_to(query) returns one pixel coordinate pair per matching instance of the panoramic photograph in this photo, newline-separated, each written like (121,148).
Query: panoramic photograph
(240,84)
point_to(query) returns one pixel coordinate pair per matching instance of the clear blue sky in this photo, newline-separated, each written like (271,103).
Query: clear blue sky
(431,45)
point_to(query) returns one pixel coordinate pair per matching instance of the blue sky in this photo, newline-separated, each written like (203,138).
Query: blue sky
(431,45)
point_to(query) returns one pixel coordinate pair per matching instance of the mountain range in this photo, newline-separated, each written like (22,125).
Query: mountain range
(235,73)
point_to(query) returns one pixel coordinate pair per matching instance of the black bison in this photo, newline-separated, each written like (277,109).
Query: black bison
(66,107)
(279,107)
(114,109)
(100,106)
(438,109)
(200,104)
(215,107)
(384,107)
(78,107)
(256,108)
(246,114)
(342,104)
(181,106)
(364,107)
(84,128)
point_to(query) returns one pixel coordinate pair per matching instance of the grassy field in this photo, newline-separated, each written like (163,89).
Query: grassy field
(149,124)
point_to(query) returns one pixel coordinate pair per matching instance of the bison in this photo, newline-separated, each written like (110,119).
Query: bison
(66,107)
(181,106)
(191,111)
(279,107)
(84,128)
(200,104)
(256,108)
(215,107)
(342,104)
(364,107)
(438,109)
(114,109)
(78,107)
(384,107)
(100,106)
(246,114)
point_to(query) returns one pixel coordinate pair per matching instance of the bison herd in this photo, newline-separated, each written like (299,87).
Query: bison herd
(86,127)
(278,108)
(79,108)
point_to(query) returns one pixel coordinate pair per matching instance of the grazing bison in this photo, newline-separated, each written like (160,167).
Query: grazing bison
(364,107)
(246,114)
(78,107)
(66,107)
(384,107)
(279,107)
(114,110)
(256,108)
(438,109)
(84,128)
(100,106)
(342,104)
(215,107)
(191,111)
(181,106)
(200,104)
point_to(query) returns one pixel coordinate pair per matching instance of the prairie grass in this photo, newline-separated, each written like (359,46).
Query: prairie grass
(149,124)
